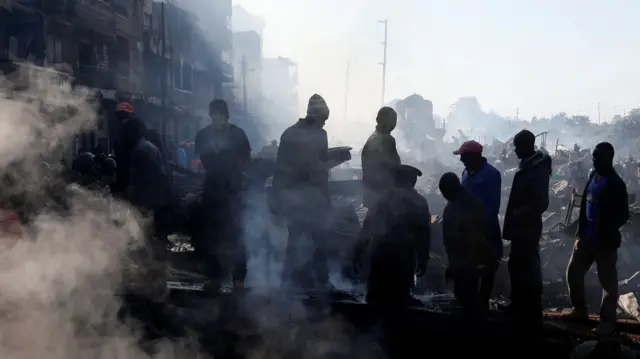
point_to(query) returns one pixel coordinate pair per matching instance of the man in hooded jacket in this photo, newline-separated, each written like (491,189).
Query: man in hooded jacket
(528,200)
(301,192)
(380,157)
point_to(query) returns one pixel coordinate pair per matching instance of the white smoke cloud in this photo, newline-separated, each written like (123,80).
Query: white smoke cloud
(58,283)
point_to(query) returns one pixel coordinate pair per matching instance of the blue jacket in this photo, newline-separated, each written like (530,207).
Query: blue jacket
(486,185)
(182,157)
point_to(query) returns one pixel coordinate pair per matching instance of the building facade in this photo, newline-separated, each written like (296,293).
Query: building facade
(168,61)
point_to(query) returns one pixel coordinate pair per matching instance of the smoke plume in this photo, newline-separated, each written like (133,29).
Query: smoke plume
(59,282)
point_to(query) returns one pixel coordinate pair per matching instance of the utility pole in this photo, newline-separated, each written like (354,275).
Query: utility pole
(384,60)
(346,91)
(517,114)
(598,113)
(164,79)
(244,84)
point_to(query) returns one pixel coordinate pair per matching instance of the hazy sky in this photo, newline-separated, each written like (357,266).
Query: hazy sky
(541,56)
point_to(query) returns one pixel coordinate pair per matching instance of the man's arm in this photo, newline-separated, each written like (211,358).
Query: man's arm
(540,192)
(622,204)
(284,163)
(538,196)
(495,194)
(244,147)
(199,145)
(323,162)
(390,153)
(423,231)
(450,233)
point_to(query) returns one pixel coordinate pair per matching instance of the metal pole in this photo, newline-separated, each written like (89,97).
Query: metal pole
(244,85)
(346,91)
(164,79)
(384,61)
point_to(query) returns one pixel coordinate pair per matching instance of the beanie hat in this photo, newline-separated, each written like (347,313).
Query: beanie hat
(317,107)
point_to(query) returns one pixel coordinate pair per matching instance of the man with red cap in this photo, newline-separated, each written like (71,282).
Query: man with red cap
(484,181)
(124,112)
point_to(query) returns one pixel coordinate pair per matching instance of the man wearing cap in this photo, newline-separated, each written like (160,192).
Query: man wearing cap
(301,192)
(124,112)
(484,181)
(397,234)
(225,153)
(380,156)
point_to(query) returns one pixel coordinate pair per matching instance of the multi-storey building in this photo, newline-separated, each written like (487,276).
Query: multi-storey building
(185,67)
(117,48)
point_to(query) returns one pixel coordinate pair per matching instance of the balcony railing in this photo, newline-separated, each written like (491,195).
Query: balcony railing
(95,14)
(182,98)
(92,76)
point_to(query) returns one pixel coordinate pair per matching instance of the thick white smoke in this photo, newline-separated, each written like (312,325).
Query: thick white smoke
(58,283)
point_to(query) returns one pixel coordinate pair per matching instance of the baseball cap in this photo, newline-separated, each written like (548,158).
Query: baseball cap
(469,147)
(124,107)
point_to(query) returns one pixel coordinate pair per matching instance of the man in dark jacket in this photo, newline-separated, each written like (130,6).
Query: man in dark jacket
(484,181)
(467,238)
(603,210)
(124,112)
(397,235)
(380,157)
(150,186)
(528,200)
(301,192)
(225,153)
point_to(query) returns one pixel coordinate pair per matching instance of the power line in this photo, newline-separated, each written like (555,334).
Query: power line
(384,60)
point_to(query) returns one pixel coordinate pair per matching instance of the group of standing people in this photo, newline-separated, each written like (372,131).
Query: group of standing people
(472,235)
(395,238)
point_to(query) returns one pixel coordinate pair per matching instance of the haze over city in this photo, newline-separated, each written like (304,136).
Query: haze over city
(535,57)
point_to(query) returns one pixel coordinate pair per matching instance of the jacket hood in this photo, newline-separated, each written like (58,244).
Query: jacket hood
(538,160)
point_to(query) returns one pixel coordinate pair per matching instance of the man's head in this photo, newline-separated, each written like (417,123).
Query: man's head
(524,143)
(387,119)
(219,113)
(603,156)
(132,131)
(405,176)
(470,154)
(318,111)
(450,185)
(124,111)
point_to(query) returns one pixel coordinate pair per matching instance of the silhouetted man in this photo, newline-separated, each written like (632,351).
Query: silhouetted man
(124,112)
(466,237)
(380,157)
(603,210)
(225,153)
(484,181)
(528,200)
(301,193)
